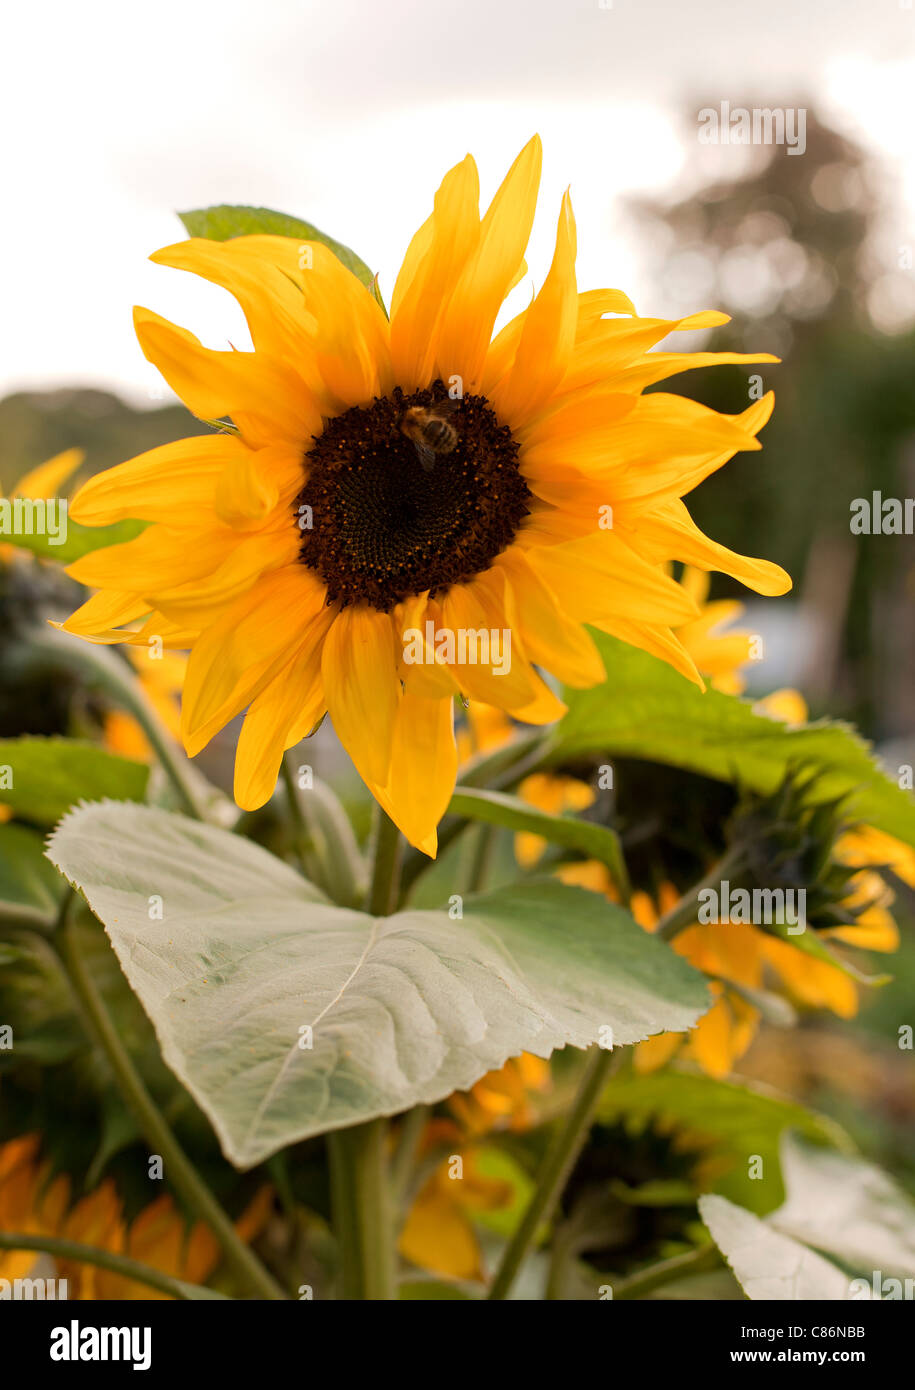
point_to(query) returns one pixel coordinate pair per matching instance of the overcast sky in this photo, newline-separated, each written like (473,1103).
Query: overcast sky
(114,114)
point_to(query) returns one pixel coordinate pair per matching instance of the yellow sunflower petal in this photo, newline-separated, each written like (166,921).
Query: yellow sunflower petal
(423,289)
(361,687)
(424,763)
(237,657)
(551,638)
(104,611)
(668,532)
(467,324)
(438,1236)
(264,396)
(548,334)
(480,607)
(295,696)
(46,479)
(166,484)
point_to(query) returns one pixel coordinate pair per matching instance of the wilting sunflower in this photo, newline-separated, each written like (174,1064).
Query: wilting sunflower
(300,555)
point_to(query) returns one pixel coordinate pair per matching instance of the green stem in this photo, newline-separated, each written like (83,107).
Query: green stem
(105,1259)
(359,1176)
(171,759)
(322,826)
(297,817)
(361,1211)
(412,1128)
(685,913)
(556,1166)
(116,679)
(23,915)
(665,1271)
(383,890)
(181,1172)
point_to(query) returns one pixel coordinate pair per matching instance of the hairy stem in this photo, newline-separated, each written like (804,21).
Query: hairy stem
(359,1174)
(105,1259)
(362,1217)
(181,1172)
(685,913)
(556,1166)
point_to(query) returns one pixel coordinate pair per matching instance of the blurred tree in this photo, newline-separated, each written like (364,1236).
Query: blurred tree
(797,248)
(36,425)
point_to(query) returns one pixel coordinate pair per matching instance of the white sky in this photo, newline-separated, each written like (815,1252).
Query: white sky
(346,112)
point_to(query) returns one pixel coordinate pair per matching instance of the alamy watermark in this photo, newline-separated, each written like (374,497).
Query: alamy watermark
(882,516)
(463,646)
(34,516)
(881,1286)
(760,125)
(39,1290)
(758,907)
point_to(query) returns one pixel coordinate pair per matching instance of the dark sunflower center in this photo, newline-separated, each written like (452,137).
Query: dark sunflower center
(385,514)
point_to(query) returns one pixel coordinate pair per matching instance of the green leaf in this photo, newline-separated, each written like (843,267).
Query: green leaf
(41,778)
(80,540)
(403,1009)
(432,1290)
(767,1264)
(728,1121)
(26,877)
(226,221)
(495,808)
(647,710)
(846,1208)
(844,1231)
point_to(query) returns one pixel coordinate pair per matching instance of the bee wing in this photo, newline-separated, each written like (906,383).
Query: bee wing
(426,455)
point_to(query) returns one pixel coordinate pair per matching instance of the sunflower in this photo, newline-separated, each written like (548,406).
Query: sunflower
(740,957)
(719,652)
(34,1202)
(303,553)
(439,1233)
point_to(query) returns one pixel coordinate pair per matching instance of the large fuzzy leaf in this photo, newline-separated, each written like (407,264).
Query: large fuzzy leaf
(846,1231)
(769,1265)
(647,710)
(406,1009)
(847,1208)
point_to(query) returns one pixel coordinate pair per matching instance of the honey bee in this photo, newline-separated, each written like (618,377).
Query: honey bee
(430,430)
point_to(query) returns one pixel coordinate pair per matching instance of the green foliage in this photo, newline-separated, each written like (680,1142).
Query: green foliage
(843,1219)
(647,710)
(56,1082)
(80,540)
(49,775)
(403,1010)
(26,877)
(724,1122)
(225,221)
(495,808)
